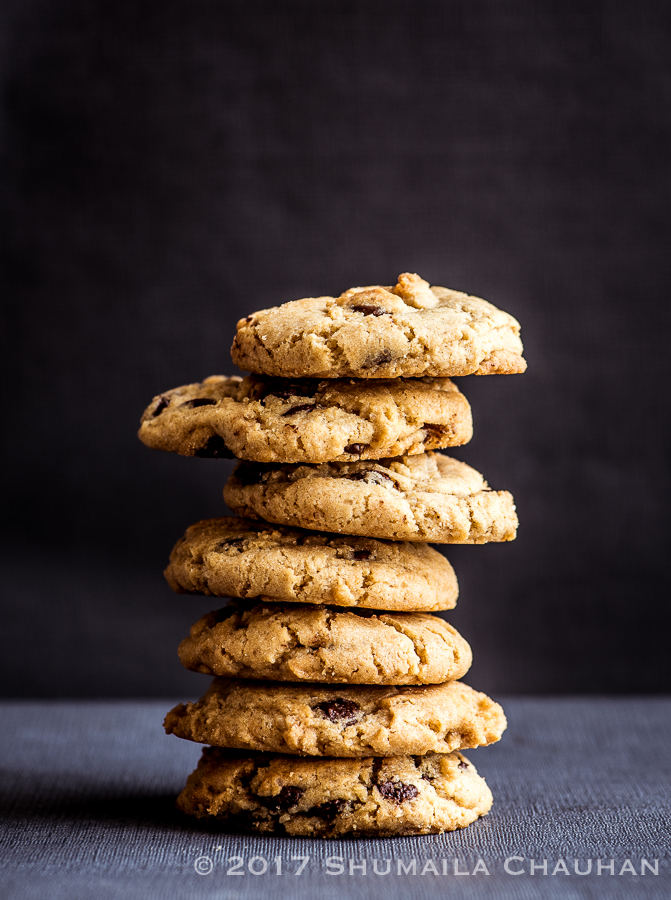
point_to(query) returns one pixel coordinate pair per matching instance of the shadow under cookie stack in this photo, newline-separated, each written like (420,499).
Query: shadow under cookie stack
(336,707)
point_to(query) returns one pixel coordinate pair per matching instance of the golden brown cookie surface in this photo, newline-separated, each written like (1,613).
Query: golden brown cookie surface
(231,557)
(342,721)
(410,329)
(288,421)
(316,644)
(430,497)
(330,798)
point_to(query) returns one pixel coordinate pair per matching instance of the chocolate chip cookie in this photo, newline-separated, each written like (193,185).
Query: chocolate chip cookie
(230,557)
(342,721)
(430,497)
(280,420)
(381,332)
(330,798)
(316,644)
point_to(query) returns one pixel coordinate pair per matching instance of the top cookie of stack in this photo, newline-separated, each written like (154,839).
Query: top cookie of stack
(411,329)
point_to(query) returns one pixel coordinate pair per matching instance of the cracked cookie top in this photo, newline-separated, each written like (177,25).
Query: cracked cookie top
(231,557)
(317,644)
(330,798)
(429,497)
(411,329)
(339,720)
(307,420)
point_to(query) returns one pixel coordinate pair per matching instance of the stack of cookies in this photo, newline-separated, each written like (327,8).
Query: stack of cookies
(336,707)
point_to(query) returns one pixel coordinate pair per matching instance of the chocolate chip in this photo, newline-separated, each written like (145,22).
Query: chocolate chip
(463,764)
(161,405)
(285,395)
(361,554)
(292,390)
(198,401)
(339,710)
(287,797)
(371,476)
(329,810)
(248,318)
(282,388)
(436,433)
(397,791)
(250,473)
(369,310)
(231,544)
(302,407)
(215,448)
(381,477)
(384,357)
(358,449)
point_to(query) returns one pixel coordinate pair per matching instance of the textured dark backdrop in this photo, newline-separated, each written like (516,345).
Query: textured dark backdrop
(168,167)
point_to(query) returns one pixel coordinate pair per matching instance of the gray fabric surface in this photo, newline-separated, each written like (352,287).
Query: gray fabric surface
(88,811)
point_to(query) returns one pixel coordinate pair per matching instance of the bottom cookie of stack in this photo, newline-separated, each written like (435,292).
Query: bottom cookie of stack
(330,798)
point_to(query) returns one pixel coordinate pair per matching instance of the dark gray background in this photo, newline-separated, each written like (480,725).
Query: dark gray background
(168,167)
